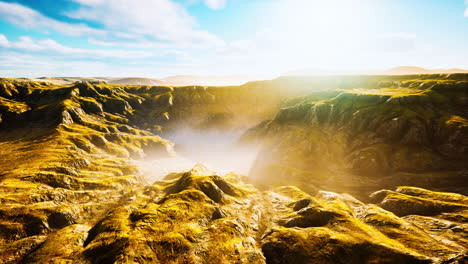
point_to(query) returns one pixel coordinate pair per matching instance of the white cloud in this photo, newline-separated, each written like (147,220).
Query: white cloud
(89,2)
(29,18)
(3,41)
(156,20)
(466,10)
(21,64)
(215,4)
(48,45)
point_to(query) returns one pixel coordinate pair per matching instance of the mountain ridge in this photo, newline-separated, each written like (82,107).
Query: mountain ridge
(399,70)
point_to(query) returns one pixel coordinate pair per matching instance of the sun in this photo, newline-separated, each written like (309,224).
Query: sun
(329,31)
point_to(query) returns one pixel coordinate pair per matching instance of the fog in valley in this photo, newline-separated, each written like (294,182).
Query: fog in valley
(217,150)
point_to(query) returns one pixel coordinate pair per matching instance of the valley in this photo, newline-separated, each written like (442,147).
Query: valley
(298,169)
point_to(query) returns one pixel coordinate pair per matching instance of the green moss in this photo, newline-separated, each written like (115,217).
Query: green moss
(402,204)
(69,161)
(423,193)
(11,106)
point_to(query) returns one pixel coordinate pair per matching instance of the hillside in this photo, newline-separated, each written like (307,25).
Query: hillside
(330,183)
(406,131)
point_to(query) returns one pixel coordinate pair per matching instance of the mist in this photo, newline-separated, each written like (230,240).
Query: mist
(216,150)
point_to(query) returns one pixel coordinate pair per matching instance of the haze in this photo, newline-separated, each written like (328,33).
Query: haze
(217,150)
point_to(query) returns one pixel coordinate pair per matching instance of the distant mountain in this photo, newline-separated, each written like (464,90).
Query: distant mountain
(408,70)
(232,80)
(66,80)
(400,70)
(138,81)
(405,70)
(455,70)
(184,80)
(178,80)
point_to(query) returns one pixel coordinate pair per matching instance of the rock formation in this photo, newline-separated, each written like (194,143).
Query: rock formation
(70,191)
(411,132)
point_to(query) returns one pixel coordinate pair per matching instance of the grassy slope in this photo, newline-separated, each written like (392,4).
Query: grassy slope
(199,217)
(66,179)
(64,157)
(397,131)
(66,150)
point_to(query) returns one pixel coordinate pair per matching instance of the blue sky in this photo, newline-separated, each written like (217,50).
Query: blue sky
(158,38)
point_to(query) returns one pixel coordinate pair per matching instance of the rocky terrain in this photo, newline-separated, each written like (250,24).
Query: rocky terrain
(401,132)
(330,184)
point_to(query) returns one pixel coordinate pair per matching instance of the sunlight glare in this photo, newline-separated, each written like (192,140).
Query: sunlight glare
(331,31)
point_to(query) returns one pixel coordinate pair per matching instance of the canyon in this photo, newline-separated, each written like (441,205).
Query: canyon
(299,169)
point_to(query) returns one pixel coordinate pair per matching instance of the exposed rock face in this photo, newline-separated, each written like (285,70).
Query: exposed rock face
(199,217)
(65,159)
(403,132)
(69,192)
(336,228)
(66,151)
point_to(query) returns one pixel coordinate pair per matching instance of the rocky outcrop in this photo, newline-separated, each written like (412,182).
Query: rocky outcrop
(65,159)
(199,217)
(361,140)
(70,192)
(337,228)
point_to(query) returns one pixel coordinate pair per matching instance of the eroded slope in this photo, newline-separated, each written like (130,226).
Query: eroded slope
(65,158)
(200,217)
(67,175)
(411,132)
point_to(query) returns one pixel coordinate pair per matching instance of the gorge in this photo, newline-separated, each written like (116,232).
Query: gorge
(322,169)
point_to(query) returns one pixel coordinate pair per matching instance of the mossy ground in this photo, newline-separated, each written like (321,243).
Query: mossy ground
(64,160)
(391,130)
(70,194)
(199,217)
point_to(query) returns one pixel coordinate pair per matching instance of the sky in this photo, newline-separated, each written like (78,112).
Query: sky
(159,38)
